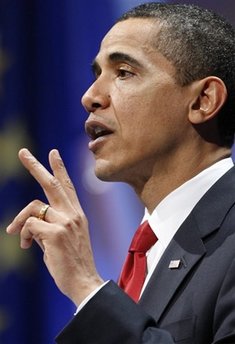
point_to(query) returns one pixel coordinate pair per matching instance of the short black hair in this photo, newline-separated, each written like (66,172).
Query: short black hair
(199,43)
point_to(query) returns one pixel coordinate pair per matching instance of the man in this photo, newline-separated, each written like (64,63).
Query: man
(160,119)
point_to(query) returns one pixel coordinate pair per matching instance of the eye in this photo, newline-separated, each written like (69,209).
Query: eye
(124,74)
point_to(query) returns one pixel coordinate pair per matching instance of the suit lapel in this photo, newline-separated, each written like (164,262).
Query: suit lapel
(188,245)
(165,280)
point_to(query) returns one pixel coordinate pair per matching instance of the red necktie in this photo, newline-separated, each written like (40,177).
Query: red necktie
(135,267)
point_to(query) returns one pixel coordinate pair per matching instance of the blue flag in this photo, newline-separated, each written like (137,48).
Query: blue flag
(46,48)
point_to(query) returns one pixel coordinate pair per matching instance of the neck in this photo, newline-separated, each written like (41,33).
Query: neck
(170,176)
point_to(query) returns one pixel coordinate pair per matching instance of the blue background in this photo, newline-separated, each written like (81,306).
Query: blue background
(46,48)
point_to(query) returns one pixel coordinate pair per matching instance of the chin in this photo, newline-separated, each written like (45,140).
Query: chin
(107,172)
(113,175)
(104,176)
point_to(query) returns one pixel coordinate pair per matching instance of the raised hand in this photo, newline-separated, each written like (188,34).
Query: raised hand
(61,228)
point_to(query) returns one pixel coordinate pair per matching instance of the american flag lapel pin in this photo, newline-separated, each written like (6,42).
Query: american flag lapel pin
(174,264)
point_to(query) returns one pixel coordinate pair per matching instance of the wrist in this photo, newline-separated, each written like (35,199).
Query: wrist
(83,289)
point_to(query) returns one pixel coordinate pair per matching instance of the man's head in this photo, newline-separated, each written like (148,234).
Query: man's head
(148,110)
(199,43)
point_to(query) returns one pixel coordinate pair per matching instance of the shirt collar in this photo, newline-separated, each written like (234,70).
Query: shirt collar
(171,212)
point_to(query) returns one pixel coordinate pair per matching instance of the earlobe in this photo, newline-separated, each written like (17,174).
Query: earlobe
(210,94)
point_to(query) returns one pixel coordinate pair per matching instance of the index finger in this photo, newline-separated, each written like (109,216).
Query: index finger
(60,172)
(52,188)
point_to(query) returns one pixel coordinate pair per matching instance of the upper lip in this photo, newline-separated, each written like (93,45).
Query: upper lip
(95,129)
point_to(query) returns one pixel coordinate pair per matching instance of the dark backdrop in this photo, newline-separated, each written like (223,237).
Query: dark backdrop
(45,56)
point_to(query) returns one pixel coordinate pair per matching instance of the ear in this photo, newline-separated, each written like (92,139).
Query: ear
(209,95)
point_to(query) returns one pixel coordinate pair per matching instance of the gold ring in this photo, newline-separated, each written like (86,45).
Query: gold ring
(43,211)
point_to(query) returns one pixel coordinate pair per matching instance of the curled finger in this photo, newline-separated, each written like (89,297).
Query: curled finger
(36,209)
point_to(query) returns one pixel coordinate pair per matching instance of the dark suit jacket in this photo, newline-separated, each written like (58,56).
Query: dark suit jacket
(195,303)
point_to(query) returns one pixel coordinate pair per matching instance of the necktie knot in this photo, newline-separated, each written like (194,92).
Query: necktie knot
(143,239)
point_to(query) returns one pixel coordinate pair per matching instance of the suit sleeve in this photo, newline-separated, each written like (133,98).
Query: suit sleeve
(224,323)
(111,317)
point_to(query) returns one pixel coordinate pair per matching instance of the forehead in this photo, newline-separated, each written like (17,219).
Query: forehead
(135,38)
(132,34)
(136,29)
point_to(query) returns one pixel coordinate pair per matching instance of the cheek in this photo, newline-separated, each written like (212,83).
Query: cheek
(132,109)
(150,109)
(138,124)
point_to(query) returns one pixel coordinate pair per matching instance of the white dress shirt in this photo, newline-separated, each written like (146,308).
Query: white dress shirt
(171,212)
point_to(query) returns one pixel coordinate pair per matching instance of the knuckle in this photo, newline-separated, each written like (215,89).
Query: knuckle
(59,234)
(34,163)
(35,203)
(79,219)
(54,183)
(69,184)
(72,222)
(68,224)
(33,206)
(29,222)
(60,164)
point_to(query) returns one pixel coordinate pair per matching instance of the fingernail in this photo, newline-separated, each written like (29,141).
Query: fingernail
(25,152)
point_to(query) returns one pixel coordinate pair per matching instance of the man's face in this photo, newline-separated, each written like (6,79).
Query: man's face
(138,112)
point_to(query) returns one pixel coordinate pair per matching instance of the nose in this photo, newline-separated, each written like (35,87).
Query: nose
(95,97)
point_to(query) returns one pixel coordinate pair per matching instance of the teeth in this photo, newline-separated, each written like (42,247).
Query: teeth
(95,131)
(99,131)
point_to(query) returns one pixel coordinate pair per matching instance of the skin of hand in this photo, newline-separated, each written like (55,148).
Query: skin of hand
(63,235)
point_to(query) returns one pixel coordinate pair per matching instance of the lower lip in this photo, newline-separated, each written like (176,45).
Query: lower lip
(93,145)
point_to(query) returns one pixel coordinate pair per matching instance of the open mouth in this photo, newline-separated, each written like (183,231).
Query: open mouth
(94,131)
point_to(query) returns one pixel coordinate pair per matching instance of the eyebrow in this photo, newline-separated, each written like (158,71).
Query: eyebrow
(116,57)
(122,57)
